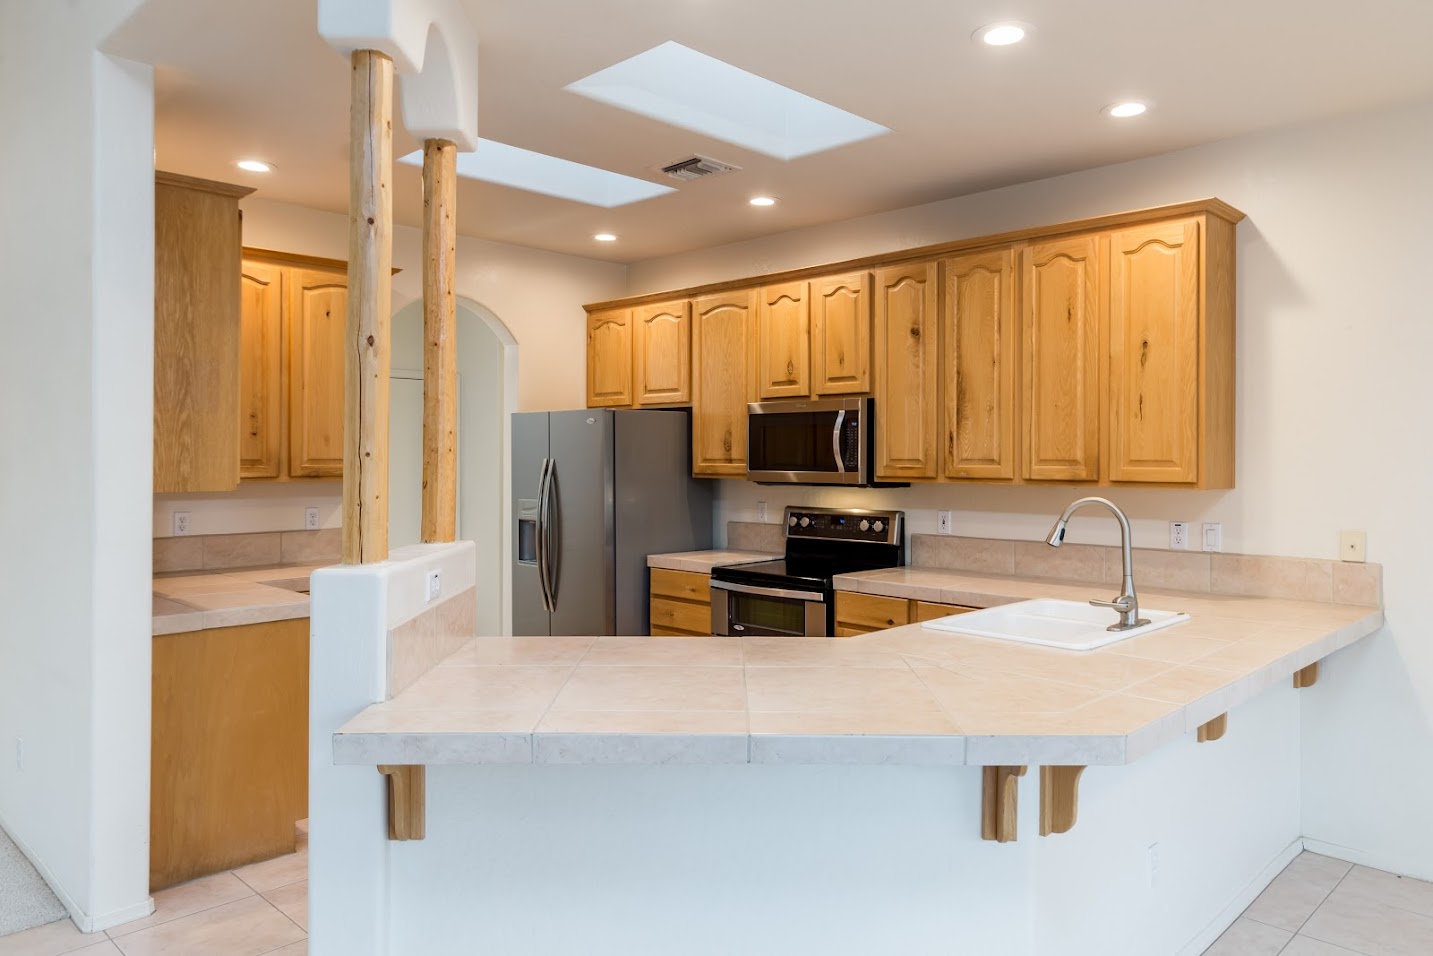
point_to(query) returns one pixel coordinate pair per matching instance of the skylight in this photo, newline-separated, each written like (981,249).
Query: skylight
(678,85)
(506,165)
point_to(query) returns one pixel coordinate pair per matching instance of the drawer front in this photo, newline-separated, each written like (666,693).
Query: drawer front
(683,585)
(669,632)
(871,610)
(681,616)
(929,611)
(843,630)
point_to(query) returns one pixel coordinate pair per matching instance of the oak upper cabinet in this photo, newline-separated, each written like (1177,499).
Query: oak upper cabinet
(1154,353)
(261,409)
(196,334)
(609,358)
(978,366)
(318,317)
(783,341)
(722,347)
(662,351)
(906,360)
(1061,306)
(841,334)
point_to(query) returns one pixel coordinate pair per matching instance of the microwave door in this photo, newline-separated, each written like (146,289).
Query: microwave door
(796,446)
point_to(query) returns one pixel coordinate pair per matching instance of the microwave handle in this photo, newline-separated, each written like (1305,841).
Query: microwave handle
(836,442)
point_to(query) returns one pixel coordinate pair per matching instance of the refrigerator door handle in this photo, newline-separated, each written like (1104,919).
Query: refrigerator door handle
(542,534)
(836,442)
(552,528)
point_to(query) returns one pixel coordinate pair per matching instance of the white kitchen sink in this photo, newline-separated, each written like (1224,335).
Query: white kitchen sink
(1072,625)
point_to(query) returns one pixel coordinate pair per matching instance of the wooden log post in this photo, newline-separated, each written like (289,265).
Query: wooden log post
(440,344)
(370,259)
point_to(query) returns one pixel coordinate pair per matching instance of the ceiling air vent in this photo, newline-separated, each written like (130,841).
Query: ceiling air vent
(697,167)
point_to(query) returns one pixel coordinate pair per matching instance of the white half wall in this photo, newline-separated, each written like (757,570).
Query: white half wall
(76,390)
(1334,331)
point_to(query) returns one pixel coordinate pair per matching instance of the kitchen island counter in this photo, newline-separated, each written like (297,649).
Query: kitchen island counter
(907,695)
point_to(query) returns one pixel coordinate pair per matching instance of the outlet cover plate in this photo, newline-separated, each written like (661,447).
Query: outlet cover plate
(942,522)
(181,523)
(1179,535)
(434,585)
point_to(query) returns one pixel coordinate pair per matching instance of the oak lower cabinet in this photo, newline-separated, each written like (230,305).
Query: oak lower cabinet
(609,358)
(681,604)
(229,748)
(978,345)
(196,334)
(291,366)
(907,357)
(662,353)
(858,613)
(722,382)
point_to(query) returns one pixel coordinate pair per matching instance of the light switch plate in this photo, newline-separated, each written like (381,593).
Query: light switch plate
(1213,538)
(435,585)
(1353,546)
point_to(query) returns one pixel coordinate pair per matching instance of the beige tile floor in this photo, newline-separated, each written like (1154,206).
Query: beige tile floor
(256,910)
(1325,907)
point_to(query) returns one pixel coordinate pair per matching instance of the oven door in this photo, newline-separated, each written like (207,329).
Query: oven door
(821,442)
(746,610)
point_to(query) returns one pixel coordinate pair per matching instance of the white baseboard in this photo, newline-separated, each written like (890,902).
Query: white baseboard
(83,920)
(1362,858)
(1216,927)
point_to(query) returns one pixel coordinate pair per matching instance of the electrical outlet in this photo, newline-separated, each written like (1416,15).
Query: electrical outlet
(310,519)
(181,522)
(1152,865)
(435,585)
(1213,536)
(19,754)
(1178,535)
(1353,546)
(942,522)
(761,511)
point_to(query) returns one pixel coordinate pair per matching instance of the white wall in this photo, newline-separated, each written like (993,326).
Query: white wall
(1334,334)
(537,295)
(76,388)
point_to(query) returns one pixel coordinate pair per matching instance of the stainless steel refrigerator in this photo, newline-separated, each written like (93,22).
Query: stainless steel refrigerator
(594,492)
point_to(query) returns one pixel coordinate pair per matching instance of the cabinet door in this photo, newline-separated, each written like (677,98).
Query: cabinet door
(663,335)
(1062,336)
(722,384)
(1154,353)
(196,338)
(260,369)
(841,334)
(978,366)
(783,341)
(609,358)
(318,307)
(906,360)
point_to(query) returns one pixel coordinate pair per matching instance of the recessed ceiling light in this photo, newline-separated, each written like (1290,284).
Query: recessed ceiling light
(253,166)
(762,200)
(1001,34)
(605,237)
(1126,110)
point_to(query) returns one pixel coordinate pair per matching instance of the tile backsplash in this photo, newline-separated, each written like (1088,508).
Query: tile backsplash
(217,552)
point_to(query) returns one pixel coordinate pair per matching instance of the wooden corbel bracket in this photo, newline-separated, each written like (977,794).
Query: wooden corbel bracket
(407,801)
(1308,676)
(999,803)
(1213,729)
(1059,798)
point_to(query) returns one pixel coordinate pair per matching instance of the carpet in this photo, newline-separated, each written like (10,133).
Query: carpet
(25,900)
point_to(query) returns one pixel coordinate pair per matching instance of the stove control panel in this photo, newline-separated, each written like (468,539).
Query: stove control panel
(845,524)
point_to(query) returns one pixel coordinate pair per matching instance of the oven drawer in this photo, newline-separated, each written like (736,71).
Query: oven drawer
(751,610)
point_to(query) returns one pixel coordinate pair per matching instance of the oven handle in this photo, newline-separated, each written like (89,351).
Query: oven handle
(769,592)
(836,442)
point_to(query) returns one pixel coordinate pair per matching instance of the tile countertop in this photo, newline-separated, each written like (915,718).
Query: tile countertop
(902,696)
(198,600)
(702,562)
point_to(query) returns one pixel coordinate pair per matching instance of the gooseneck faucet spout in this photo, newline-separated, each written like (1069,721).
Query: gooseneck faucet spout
(1127,603)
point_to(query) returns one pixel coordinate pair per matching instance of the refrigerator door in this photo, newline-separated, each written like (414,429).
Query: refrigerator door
(530,433)
(580,566)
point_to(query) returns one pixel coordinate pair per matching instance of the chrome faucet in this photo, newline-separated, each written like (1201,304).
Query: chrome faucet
(1127,603)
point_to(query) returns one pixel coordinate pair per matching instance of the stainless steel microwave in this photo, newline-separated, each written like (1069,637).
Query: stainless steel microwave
(816,442)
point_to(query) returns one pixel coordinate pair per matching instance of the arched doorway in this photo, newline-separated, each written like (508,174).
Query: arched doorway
(487,396)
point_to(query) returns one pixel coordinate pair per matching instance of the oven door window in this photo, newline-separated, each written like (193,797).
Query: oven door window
(760,614)
(792,441)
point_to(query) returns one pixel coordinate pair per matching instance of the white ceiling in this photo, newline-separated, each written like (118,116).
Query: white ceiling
(253,79)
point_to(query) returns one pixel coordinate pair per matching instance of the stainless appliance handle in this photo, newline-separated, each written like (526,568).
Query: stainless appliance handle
(836,442)
(541,536)
(769,592)
(552,528)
